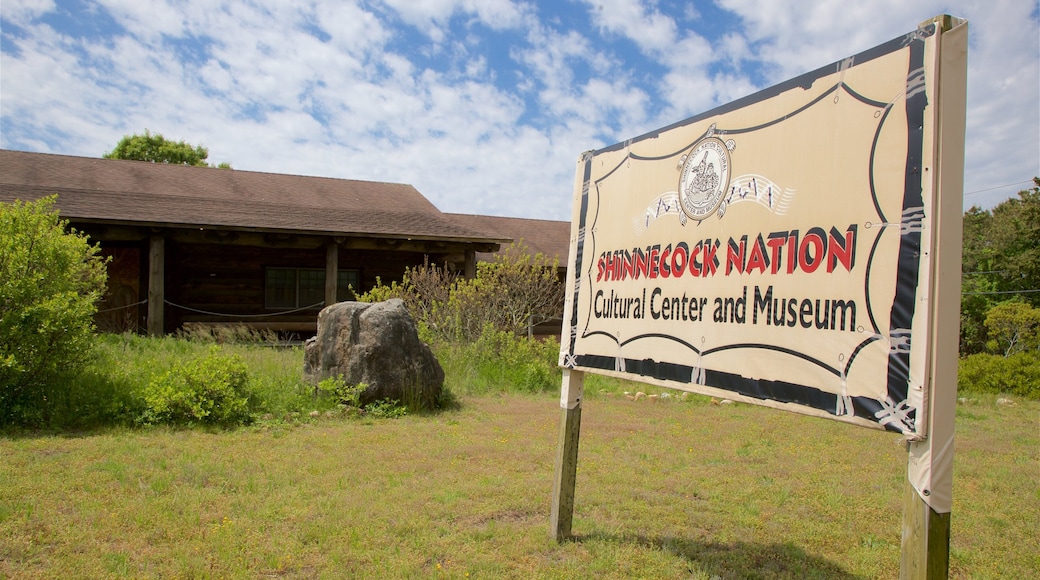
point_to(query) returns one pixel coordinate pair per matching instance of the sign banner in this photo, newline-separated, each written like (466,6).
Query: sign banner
(774,250)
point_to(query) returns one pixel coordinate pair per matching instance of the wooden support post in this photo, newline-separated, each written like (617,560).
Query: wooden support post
(471,264)
(926,539)
(156,285)
(928,498)
(331,272)
(571,395)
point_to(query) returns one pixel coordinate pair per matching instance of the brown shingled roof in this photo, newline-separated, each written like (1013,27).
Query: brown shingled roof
(111,190)
(548,237)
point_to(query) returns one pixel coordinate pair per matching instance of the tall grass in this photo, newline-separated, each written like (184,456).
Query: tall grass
(499,362)
(111,390)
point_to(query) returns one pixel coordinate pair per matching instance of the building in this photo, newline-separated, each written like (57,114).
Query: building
(204,246)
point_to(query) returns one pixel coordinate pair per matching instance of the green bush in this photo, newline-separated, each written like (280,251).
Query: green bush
(50,282)
(513,291)
(341,392)
(1018,374)
(211,390)
(509,293)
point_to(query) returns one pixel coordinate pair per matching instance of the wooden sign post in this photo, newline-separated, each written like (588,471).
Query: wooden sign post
(928,496)
(567,454)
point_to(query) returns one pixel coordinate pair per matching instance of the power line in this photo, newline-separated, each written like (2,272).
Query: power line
(998,187)
(984,272)
(1030,291)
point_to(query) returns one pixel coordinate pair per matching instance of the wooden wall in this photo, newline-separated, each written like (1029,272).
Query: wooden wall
(229,279)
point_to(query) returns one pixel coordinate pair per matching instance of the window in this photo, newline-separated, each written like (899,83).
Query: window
(286,288)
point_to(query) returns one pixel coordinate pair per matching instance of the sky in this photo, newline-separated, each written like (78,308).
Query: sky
(483,105)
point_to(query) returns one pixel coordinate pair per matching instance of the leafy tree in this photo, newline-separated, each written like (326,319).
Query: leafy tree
(50,282)
(1001,261)
(1013,326)
(158,149)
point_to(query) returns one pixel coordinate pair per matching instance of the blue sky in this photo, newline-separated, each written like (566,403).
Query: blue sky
(482,105)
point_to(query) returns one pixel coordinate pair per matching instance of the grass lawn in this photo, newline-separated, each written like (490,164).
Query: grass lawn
(665,490)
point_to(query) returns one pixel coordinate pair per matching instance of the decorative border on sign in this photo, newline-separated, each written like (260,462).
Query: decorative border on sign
(893,412)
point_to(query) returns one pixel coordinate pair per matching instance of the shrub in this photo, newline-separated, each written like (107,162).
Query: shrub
(1018,374)
(210,390)
(514,290)
(350,395)
(50,282)
(341,392)
(509,293)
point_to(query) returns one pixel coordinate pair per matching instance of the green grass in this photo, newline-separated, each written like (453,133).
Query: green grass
(665,490)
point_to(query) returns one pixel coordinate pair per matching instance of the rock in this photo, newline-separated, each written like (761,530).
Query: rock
(378,345)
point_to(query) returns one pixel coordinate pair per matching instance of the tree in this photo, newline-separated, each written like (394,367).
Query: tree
(158,149)
(50,282)
(1013,326)
(1001,261)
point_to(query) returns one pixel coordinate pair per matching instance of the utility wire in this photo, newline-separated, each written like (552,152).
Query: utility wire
(1030,291)
(997,187)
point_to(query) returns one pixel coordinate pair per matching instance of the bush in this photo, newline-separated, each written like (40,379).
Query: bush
(1018,374)
(513,291)
(509,293)
(212,390)
(341,392)
(50,282)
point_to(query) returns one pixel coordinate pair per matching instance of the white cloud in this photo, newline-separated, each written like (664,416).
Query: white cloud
(797,37)
(148,20)
(23,12)
(652,31)
(342,89)
(1003,119)
(433,17)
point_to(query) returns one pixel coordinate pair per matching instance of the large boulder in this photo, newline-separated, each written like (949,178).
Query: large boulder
(378,345)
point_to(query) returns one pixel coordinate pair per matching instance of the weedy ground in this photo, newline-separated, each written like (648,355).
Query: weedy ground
(665,489)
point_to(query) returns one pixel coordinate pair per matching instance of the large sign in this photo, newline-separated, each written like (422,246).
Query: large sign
(775,250)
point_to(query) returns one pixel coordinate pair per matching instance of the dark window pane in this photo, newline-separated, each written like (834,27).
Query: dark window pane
(280,288)
(348,283)
(312,287)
